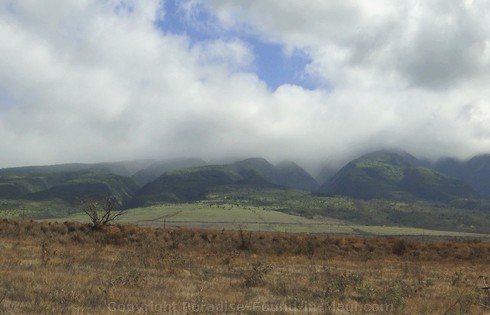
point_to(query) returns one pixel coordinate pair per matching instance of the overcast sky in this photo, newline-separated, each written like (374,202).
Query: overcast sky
(312,81)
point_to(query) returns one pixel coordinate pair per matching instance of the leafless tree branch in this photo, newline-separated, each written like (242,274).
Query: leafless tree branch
(101,211)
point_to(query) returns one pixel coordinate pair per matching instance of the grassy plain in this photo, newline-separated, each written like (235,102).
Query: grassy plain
(254,207)
(463,216)
(208,214)
(69,268)
(35,209)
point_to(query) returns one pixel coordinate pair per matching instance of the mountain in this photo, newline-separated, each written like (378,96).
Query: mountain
(326,173)
(378,175)
(123,168)
(394,175)
(70,186)
(475,171)
(286,173)
(292,175)
(195,183)
(71,182)
(157,168)
(90,185)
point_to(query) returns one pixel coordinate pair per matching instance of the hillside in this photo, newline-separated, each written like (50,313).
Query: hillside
(122,168)
(401,191)
(157,168)
(195,183)
(70,186)
(392,175)
(286,173)
(475,171)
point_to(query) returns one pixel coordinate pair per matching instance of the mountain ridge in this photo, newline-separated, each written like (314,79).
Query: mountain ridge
(475,171)
(394,175)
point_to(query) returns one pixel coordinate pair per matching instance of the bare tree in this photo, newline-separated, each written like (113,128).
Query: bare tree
(101,211)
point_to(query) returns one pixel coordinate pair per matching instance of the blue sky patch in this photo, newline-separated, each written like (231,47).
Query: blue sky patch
(271,64)
(276,68)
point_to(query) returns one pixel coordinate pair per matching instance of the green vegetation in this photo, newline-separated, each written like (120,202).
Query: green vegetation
(410,213)
(404,196)
(475,171)
(193,184)
(387,175)
(35,209)
(270,208)
(158,168)
(286,173)
(221,215)
(67,186)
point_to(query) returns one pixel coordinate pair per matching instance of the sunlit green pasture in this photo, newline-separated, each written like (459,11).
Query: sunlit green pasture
(232,216)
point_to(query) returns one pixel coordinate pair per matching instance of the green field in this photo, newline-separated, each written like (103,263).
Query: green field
(284,210)
(231,216)
(36,209)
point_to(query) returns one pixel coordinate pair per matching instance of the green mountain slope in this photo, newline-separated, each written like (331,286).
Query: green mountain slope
(157,168)
(91,185)
(69,186)
(123,168)
(195,183)
(475,171)
(286,173)
(389,175)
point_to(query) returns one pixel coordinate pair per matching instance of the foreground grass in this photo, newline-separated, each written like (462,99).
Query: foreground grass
(68,268)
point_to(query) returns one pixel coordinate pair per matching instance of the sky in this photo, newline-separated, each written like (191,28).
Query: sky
(318,82)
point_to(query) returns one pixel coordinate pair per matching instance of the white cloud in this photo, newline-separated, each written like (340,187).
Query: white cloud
(92,80)
(233,54)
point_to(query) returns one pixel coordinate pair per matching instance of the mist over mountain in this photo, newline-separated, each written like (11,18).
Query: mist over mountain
(475,171)
(285,173)
(148,174)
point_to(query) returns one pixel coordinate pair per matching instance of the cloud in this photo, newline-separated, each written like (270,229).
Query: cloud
(233,54)
(413,63)
(99,80)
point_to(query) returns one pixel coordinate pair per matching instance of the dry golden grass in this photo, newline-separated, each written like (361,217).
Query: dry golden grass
(68,268)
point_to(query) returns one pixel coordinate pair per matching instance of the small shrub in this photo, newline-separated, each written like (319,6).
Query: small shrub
(45,253)
(392,297)
(399,247)
(245,240)
(338,284)
(255,276)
